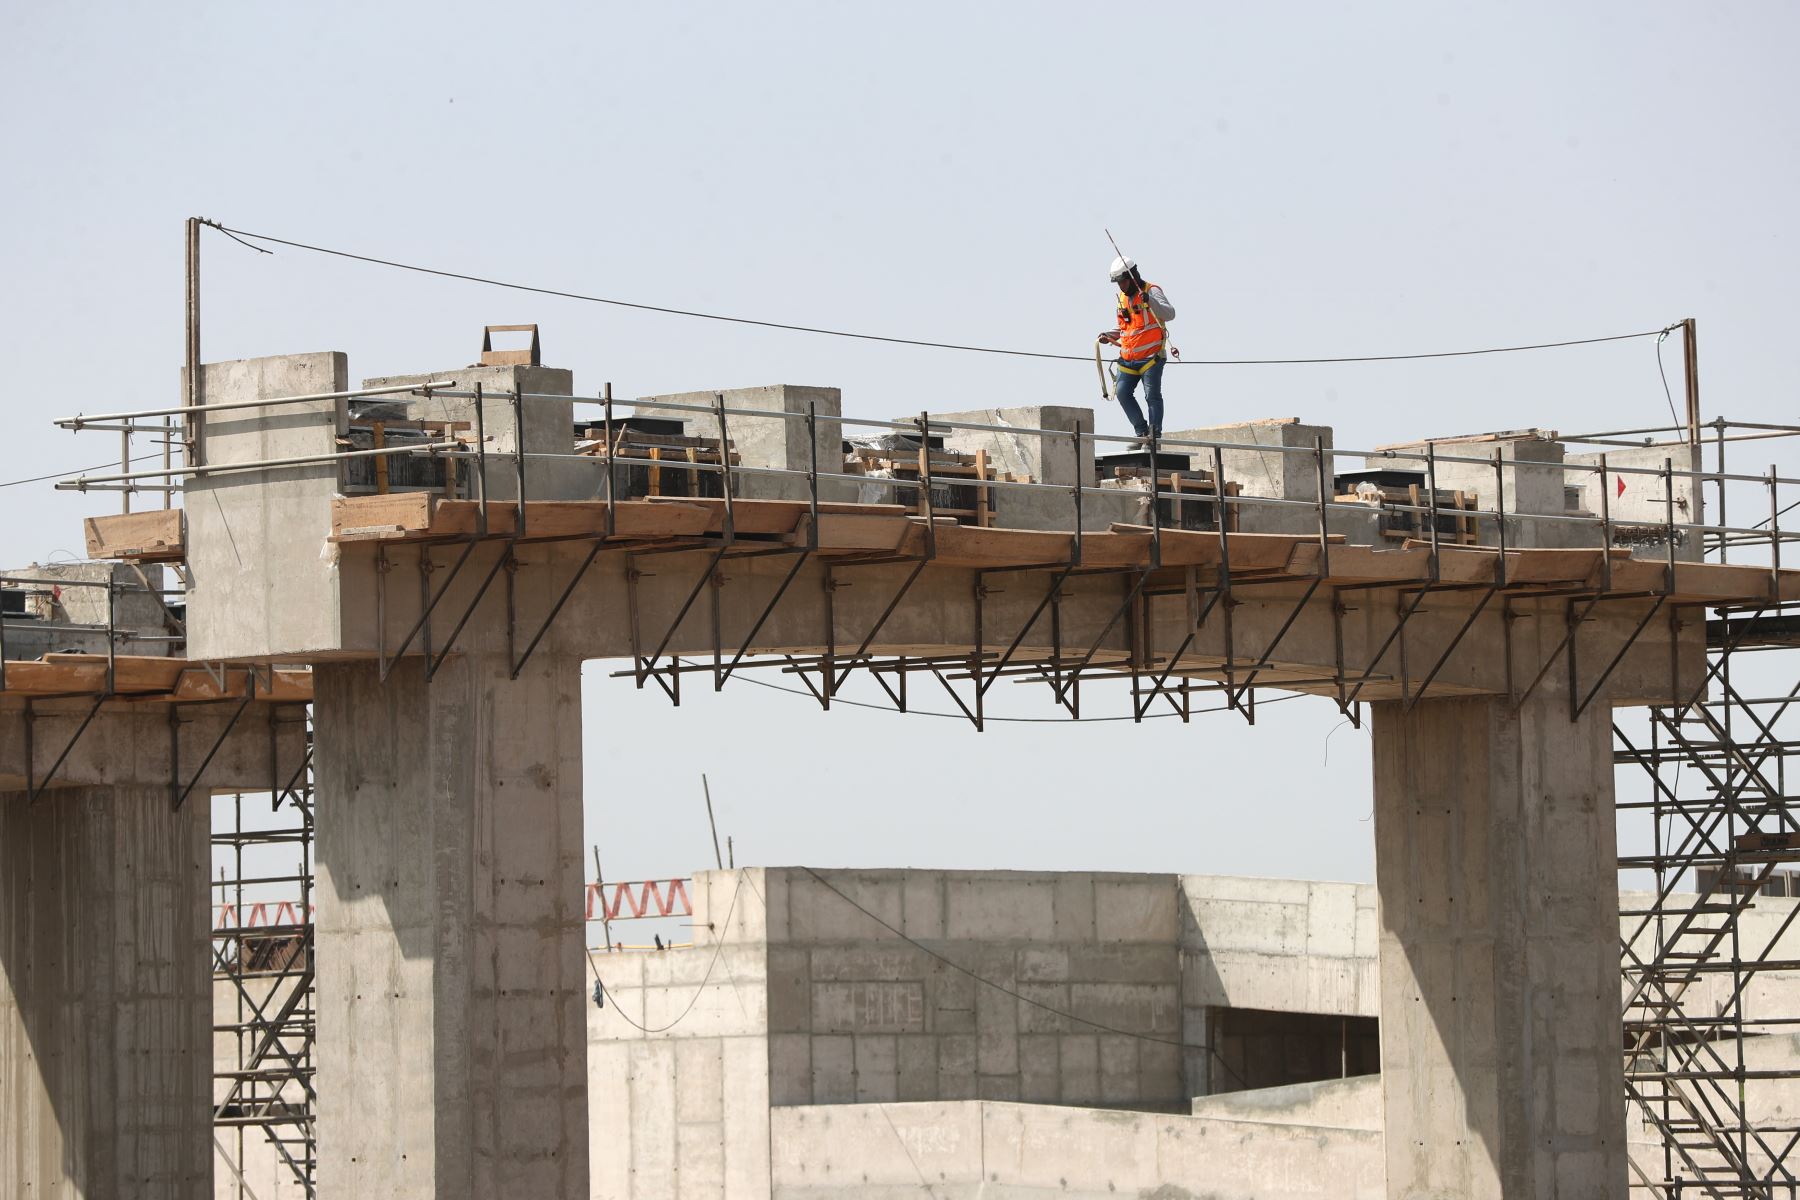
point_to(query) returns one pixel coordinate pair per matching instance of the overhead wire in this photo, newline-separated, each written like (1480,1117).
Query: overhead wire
(77,470)
(467,277)
(1667,394)
(699,988)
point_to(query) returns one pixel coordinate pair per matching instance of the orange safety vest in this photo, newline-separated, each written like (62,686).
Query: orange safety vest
(1141,336)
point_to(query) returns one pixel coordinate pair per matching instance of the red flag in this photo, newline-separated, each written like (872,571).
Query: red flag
(1621,487)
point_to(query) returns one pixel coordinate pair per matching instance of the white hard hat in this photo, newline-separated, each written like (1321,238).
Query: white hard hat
(1121,266)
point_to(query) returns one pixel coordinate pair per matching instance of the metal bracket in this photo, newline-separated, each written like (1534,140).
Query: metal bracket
(35,787)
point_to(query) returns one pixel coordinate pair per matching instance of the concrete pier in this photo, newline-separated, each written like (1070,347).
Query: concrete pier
(451,977)
(105,995)
(1500,1025)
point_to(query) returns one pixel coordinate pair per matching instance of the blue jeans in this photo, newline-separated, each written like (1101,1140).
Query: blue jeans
(1126,386)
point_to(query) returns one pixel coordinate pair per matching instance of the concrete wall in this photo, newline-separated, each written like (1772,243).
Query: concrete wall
(967,1150)
(858,1015)
(104,1065)
(262,578)
(1353,1103)
(1643,503)
(678,1058)
(78,617)
(799,994)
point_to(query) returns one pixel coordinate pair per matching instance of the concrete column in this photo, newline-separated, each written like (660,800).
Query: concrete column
(105,996)
(1500,1029)
(451,976)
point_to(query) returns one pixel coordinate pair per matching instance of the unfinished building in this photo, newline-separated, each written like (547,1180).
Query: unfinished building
(451,546)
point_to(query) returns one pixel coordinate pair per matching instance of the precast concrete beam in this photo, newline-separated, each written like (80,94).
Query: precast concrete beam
(1502,1071)
(105,995)
(1310,637)
(254,747)
(451,970)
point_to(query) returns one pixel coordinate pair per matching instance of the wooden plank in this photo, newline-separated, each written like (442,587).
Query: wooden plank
(1249,551)
(983,509)
(379,432)
(142,536)
(1120,550)
(575,518)
(771,516)
(409,511)
(50,679)
(968,546)
(1367,564)
(871,533)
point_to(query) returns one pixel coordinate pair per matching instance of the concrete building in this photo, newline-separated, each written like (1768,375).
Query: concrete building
(836,1033)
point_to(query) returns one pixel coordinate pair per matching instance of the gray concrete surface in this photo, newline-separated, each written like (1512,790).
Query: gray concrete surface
(980,1150)
(549,424)
(77,617)
(1266,474)
(1645,503)
(104,996)
(450,976)
(128,744)
(261,574)
(1500,1032)
(774,442)
(1067,990)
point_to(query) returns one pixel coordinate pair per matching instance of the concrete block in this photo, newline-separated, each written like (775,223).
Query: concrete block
(1080,1066)
(997,1087)
(1264,927)
(790,1069)
(789,990)
(746,1109)
(956,1054)
(877,1070)
(1043,963)
(1136,1007)
(833,1070)
(653,1126)
(819,914)
(997,1032)
(1331,919)
(893,960)
(869,1007)
(700,1162)
(1040,1070)
(992,908)
(1135,911)
(922,900)
(1118,1069)
(1124,962)
(1039,1011)
(1074,908)
(917,1061)
(773,441)
(291,604)
(699,1079)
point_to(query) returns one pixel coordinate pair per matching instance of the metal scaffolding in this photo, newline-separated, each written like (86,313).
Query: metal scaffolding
(262,945)
(1706,802)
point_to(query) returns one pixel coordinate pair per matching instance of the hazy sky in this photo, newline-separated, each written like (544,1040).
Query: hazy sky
(1303,180)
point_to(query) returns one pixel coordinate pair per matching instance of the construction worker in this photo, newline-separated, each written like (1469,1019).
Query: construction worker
(1143,341)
